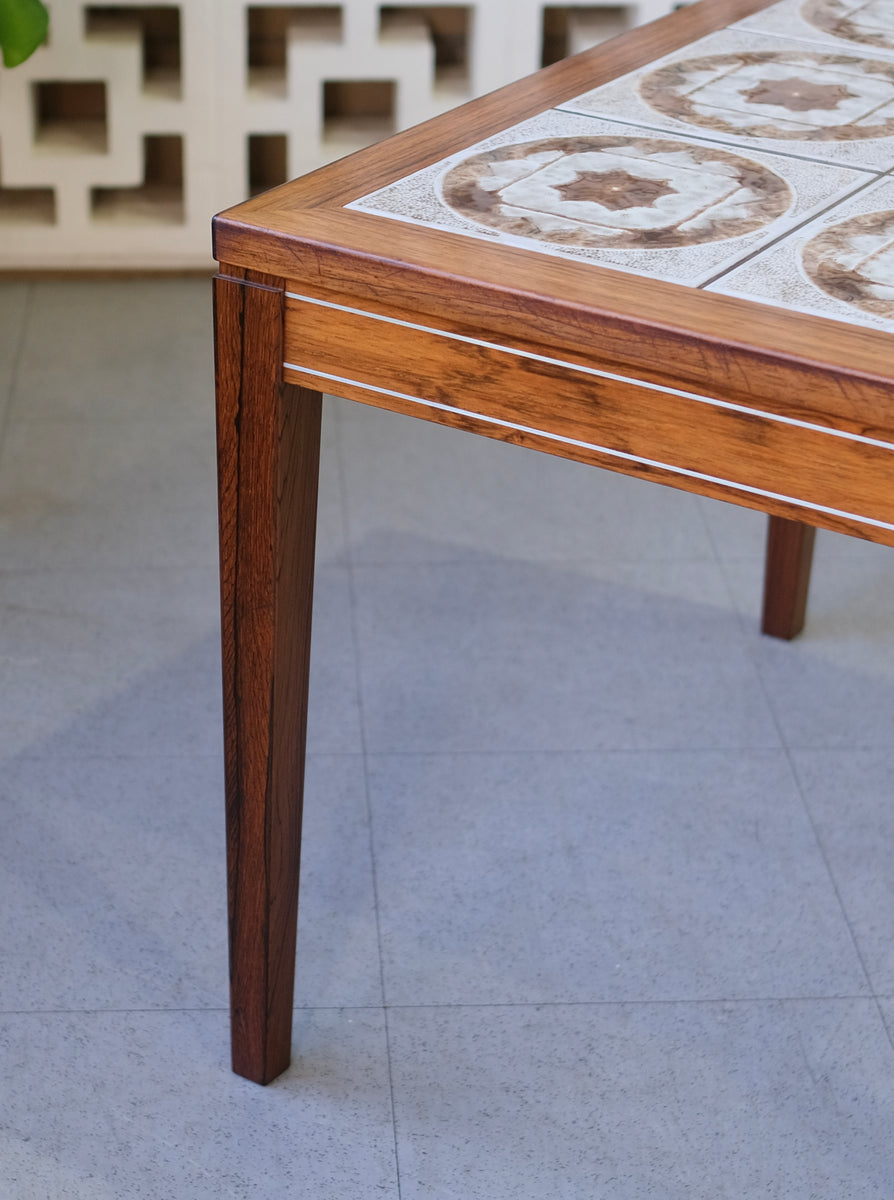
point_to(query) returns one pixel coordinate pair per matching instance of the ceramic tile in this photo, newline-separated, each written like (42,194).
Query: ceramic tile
(15,300)
(736,532)
(331,532)
(142,1106)
(534,878)
(418,492)
(684,1102)
(109,323)
(849,795)
(129,493)
(759,91)
(132,493)
(853,25)
(110,662)
(128,662)
(616,195)
(338,947)
(112,885)
(886,1007)
(119,350)
(166,390)
(510,656)
(840,265)
(834,685)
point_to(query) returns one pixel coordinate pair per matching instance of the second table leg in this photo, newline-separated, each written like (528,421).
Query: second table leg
(787,576)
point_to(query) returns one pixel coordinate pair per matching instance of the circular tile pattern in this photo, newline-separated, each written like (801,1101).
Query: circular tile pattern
(854,262)
(781,95)
(616,193)
(870,24)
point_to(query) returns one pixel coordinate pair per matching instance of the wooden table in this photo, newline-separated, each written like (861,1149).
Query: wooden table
(682,270)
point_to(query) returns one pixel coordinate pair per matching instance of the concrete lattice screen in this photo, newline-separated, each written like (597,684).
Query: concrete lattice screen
(121,136)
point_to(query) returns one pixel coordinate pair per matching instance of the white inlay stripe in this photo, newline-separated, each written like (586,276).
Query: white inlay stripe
(558,362)
(567,441)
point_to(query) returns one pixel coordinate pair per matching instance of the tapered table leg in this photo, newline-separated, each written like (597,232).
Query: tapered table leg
(268,460)
(787,576)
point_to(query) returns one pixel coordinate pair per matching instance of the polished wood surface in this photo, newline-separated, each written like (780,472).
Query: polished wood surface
(268,456)
(787,577)
(782,411)
(794,465)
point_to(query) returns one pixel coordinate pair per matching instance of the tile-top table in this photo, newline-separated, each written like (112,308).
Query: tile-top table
(671,256)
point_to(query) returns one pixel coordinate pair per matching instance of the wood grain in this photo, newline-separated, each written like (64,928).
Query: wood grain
(523,397)
(788,363)
(268,459)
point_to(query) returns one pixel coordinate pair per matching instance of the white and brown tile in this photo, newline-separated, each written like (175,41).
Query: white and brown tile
(616,192)
(746,88)
(840,266)
(666,206)
(854,24)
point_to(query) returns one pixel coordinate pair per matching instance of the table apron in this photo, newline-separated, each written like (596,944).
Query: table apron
(705,444)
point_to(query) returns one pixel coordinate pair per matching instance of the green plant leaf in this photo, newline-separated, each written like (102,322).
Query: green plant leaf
(23,26)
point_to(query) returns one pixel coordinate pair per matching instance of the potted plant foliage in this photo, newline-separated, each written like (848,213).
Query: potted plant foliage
(23,27)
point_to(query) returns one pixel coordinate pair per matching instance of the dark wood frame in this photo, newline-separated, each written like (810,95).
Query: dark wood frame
(784,412)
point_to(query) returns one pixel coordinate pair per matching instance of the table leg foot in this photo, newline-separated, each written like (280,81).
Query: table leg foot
(268,458)
(787,577)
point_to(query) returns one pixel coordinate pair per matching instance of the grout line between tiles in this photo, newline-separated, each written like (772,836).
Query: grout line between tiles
(690,132)
(713,543)
(653,1002)
(661,1002)
(211,1008)
(488,560)
(358,683)
(573,751)
(815,215)
(808,812)
(16,363)
(813,824)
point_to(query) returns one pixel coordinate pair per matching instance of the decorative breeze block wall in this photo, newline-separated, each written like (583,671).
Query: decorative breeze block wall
(123,135)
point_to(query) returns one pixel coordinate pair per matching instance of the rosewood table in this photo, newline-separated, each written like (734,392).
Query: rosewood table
(671,256)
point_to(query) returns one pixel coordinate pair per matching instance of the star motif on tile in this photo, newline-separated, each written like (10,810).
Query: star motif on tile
(615,190)
(798,95)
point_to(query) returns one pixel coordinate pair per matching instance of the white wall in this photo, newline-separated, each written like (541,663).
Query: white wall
(74,189)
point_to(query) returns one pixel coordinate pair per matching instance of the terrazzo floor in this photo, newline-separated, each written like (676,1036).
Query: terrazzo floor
(597,895)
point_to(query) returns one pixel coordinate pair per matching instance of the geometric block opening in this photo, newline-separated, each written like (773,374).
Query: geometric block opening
(267,161)
(358,98)
(158,200)
(568,29)
(358,112)
(158,27)
(70,116)
(269,29)
(449,27)
(27,206)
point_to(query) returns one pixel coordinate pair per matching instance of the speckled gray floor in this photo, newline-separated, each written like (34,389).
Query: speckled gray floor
(598,895)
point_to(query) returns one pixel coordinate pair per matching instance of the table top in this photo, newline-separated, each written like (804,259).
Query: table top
(755,161)
(737,148)
(703,207)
